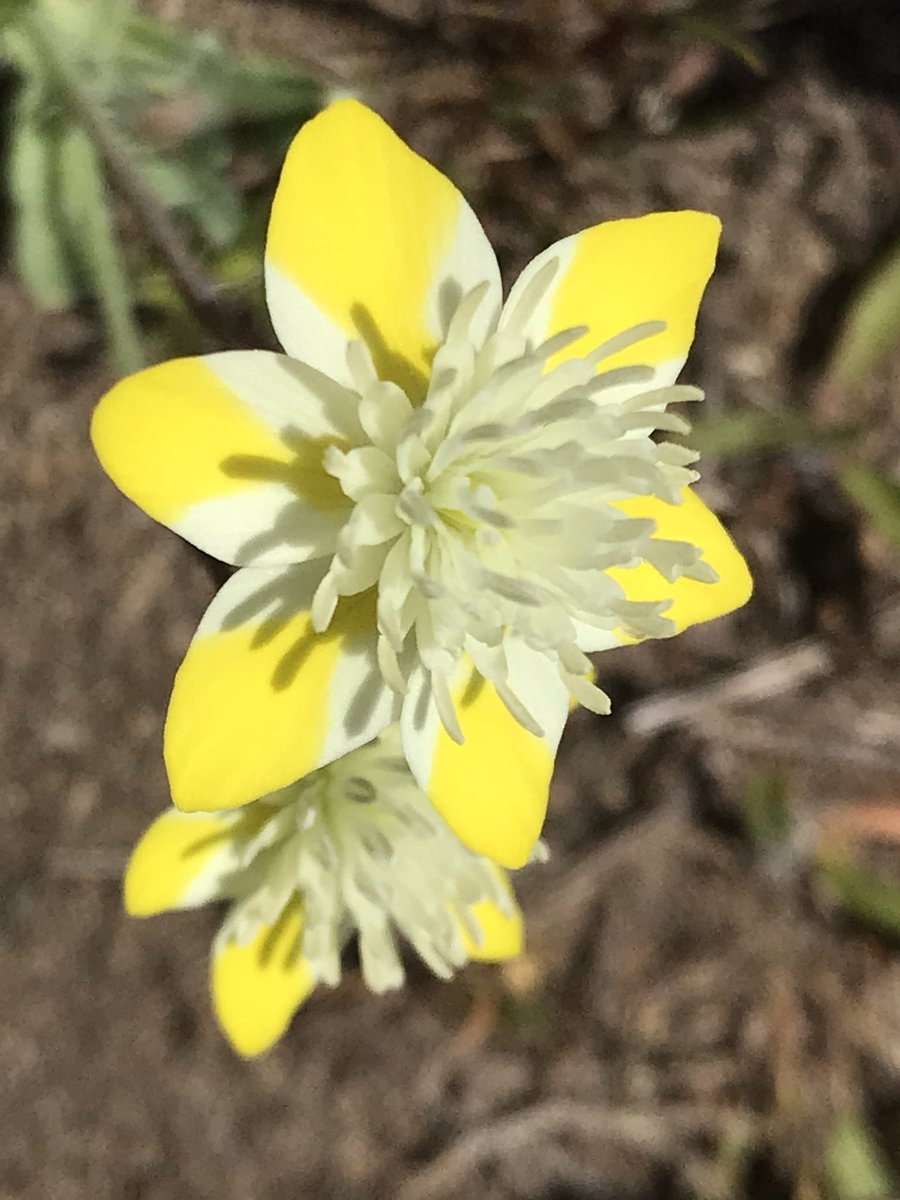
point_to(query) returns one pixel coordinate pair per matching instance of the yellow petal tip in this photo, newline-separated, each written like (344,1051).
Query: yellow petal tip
(503,934)
(690,601)
(173,865)
(257,988)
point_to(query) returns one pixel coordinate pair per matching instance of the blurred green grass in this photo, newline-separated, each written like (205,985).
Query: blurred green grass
(122,146)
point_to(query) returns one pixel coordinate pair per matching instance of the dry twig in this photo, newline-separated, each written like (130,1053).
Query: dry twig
(658,1133)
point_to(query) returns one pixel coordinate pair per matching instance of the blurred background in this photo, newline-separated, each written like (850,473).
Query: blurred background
(709,1005)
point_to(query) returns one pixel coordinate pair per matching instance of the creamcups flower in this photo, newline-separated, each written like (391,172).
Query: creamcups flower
(352,849)
(440,503)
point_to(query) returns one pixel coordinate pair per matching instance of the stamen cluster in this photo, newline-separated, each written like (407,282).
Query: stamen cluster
(491,511)
(363,850)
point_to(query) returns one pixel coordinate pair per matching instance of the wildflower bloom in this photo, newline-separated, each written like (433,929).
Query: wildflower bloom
(441,503)
(353,848)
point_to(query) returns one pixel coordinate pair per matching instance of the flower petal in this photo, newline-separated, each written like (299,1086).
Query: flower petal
(368,240)
(180,862)
(503,933)
(692,602)
(261,700)
(257,988)
(492,790)
(227,451)
(622,274)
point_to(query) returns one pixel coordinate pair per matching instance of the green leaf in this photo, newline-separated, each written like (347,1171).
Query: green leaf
(247,89)
(204,196)
(752,431)
(874,901)
(877,494)
(767,811)
(11,10)
(718,31)
(872,326)
(258,90)
(92,228)
(855,1167)
(106,30)
(41,254)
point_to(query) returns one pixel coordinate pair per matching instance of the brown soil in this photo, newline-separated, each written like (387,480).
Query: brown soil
(691,1012)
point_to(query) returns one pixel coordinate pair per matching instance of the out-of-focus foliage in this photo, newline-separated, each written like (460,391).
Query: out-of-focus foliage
(766,810)
(872,326)
(107,94)
(878,495)
(856,1168)
(828,859)
(725,30)
(869,332)
(754,429)
(874,901)
(10,10)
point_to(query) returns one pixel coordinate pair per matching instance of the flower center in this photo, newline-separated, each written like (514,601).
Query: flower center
(364,850)
(493,510)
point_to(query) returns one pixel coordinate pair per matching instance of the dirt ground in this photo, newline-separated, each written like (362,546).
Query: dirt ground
(692,1012)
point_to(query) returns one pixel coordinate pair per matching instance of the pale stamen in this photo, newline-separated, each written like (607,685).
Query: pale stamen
(506,486)
(362,849)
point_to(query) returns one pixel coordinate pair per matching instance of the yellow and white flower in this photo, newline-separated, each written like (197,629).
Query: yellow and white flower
(353,849)
(440,503)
